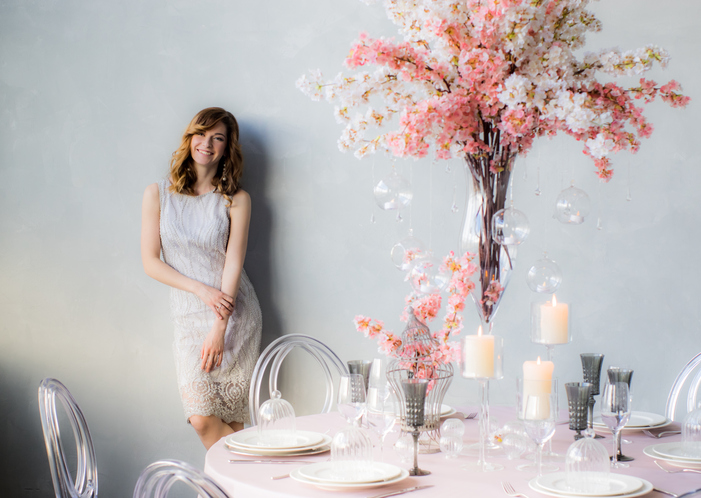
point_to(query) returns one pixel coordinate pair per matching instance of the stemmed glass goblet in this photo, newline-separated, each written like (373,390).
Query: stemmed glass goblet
(351,398)
(618,374)
(538,412)
(615,412)
(381,412)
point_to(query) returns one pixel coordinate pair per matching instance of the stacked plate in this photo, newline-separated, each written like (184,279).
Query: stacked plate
(447,411)
(673,454)
(620,486)
(304,443)
(638,421)
(323,475)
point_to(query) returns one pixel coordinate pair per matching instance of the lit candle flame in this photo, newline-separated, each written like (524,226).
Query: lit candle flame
(479,330)
(554,301)
(538,361)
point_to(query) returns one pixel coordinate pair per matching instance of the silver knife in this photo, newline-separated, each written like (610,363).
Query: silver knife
(269,461)
(402,491)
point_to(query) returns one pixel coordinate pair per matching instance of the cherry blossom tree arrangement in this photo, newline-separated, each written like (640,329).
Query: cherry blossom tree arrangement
(480,80)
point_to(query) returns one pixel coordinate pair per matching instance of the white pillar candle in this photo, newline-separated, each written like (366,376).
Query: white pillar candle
(554,323)
(478,356)
(537,381)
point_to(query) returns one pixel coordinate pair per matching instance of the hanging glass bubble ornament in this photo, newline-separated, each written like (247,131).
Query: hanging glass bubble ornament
(393,192)
(544,276)
(572,206)
(405,251)
(426,276)
(510,226)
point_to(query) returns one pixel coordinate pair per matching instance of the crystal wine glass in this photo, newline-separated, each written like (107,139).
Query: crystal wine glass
(615,412)
(381,413)
(351,398)
(538,412)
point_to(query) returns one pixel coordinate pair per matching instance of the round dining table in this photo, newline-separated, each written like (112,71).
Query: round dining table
(449,477)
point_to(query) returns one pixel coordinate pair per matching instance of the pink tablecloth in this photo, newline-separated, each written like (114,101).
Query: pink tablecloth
(448,478)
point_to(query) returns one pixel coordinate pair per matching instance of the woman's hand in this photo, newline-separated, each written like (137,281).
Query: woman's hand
(213,348)
(222,304)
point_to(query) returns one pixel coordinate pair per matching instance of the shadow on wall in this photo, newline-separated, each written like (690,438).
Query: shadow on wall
(259,256)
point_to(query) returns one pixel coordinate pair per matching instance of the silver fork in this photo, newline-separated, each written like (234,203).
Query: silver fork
(471,416)
(669,471)
(509,490)
(660,434)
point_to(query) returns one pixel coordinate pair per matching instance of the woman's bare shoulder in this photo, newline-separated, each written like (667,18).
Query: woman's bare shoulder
(241,199)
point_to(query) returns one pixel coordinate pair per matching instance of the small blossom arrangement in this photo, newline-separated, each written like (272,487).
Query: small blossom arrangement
(473,76)
(426,308)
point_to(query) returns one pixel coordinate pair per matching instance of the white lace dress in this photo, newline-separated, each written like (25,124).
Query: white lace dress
(194,235)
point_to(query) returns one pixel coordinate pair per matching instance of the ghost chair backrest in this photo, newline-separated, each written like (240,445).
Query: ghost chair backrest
(156,480)
(65,486)
(692,368)
(276,352)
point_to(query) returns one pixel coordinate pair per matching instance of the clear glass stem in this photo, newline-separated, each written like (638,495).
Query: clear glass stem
(483,421)
(539,459)
(616,447)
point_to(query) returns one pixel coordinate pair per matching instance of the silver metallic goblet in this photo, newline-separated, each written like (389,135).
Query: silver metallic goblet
(591,367)
(415,398)
(578,406)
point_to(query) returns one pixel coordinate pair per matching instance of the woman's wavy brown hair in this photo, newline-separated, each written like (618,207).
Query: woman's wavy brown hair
(228,176)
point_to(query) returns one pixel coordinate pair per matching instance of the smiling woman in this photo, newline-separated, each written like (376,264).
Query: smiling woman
(198,218)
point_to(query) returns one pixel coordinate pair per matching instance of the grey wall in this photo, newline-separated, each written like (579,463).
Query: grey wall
(93,98)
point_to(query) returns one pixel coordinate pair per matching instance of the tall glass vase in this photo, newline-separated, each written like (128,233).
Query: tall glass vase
(487,183)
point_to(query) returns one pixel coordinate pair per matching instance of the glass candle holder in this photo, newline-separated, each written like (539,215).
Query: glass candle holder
(550,324)
(482,359)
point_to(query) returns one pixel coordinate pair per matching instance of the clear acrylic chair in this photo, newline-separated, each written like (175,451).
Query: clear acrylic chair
(156,480)
(85,483)
(276,353)
(692,398)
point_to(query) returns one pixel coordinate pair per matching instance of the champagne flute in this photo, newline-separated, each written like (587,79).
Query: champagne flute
(351,398)
(615,412)
(538,412)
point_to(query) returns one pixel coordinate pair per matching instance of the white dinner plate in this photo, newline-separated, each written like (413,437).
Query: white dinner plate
(674,451)
(619,485)
(266,451)
(677,462)
(645,489)
(602,428)
(250,439)
(328,486)
(325,472)
(638,420)
(279,453)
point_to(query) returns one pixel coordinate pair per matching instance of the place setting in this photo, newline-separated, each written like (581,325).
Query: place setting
(685,453)
(276,434)
(351,465)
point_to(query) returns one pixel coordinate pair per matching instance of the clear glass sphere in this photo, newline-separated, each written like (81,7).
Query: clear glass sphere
(451,446)
(515,445)
(572,206)
(393,192)
(426,276)
(404,447)
(544,276)
(587,466)
(276,422)
(405,251)
(510,227)
(691,434)
(452,427)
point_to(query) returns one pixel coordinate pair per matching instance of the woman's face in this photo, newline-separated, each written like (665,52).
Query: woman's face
(207,148)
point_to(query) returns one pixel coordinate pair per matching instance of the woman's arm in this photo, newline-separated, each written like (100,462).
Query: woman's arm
(240,214)
(164,273)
